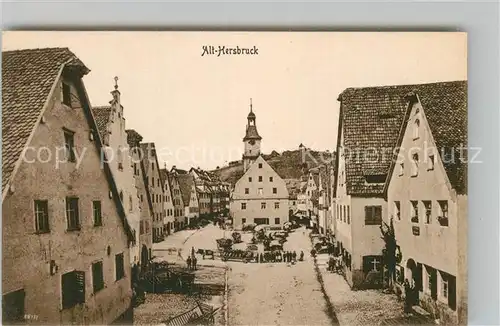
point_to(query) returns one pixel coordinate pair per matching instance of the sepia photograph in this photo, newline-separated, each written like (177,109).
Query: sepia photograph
(234,178)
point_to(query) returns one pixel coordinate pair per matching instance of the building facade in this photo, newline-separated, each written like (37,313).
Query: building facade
(427,199)
(65,237)
(111,126)
(145,238)
(180,220)
(260,196)
(169,219)
(324,204)
(155,187)
(369,123)
(189,197)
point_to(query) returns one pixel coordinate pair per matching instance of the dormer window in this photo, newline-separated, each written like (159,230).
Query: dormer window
(416,129)
(414,165)
(376,178)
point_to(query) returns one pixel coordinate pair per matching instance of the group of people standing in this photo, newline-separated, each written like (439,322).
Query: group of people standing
(191,261)
(279,256)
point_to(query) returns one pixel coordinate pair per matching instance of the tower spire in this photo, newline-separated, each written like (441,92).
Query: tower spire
(116,82)
(250,104)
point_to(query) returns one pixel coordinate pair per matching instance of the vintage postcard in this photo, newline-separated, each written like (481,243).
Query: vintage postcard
(234,178)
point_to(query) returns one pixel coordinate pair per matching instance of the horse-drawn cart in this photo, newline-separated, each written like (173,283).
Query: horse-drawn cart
(162,277)
(245,256)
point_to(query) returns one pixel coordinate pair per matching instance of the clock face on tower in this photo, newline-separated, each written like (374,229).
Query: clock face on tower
(252,142)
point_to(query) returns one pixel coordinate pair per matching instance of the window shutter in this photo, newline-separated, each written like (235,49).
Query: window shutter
(433,275)
(378,214)
(80,286)
(452,292)
(419,277)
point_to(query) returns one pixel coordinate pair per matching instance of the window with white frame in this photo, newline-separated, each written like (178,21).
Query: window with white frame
(414,211)
(443,288)
(414,165)
(443,212)
(428,211)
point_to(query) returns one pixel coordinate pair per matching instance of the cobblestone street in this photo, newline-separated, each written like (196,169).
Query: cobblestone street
(276,293)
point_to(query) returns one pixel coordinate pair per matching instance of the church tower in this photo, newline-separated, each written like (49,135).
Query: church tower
(251,141)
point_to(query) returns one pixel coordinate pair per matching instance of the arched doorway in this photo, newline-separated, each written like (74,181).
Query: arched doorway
(144,257)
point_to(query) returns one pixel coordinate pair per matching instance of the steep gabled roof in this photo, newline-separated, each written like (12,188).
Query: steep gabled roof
(166,180)
(371,119)
(133,138)
(186,182)
(102,116)
(28,78)
(445,108)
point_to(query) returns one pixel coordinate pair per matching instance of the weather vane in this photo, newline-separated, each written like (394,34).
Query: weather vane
(116,82)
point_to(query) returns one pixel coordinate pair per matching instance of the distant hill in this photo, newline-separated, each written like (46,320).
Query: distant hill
(288,165)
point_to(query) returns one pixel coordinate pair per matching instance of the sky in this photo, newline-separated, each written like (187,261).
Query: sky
(194,107)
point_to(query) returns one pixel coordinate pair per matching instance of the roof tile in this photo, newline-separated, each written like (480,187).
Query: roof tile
(27,79)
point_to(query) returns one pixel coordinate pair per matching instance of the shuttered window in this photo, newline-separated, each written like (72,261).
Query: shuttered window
(73,289)
(97,276)
(72,213)
(96,209)
(13,307)
(119,267)
(373,215)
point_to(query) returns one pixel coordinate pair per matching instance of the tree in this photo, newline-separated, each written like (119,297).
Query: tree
(391,254)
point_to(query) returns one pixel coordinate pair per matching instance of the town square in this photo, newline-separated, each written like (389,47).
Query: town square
(249,188)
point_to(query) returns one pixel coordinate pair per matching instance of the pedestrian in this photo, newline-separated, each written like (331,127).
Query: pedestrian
(261,258)
(407,304)
(301,256)
(289,256)
(192,252)
(331,263)
(194,262)
(188,262)
(294,255)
